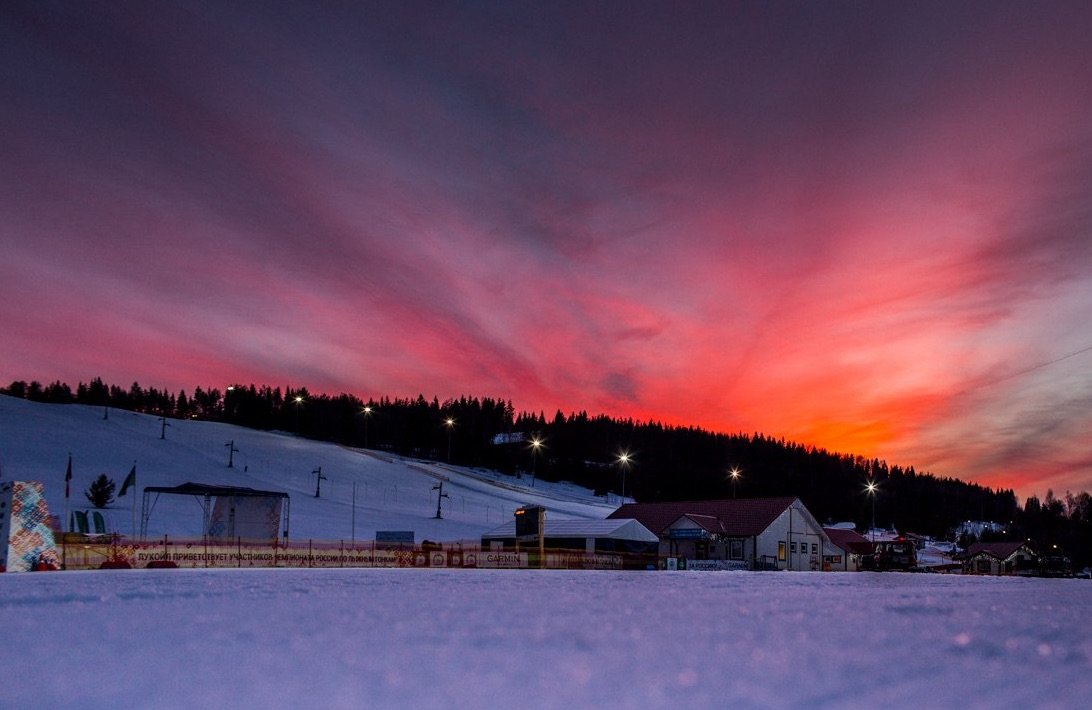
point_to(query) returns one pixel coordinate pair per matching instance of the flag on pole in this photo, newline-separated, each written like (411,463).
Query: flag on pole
(67,476)
(130,480)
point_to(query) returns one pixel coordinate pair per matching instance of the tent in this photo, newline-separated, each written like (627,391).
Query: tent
(228,512)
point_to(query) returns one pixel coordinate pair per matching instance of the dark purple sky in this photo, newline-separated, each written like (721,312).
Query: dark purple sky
(862,226)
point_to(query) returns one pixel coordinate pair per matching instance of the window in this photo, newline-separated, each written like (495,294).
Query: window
(792,548)
(781,551)
(815,548)
(735,549)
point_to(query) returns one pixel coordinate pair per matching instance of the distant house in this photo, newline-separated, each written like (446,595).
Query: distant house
(848,550)
(748,533)
(1000,558)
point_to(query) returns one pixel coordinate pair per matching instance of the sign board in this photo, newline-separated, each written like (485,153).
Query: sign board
(25,537)
(714,565)
(403,537)
(687,534)
(529,521)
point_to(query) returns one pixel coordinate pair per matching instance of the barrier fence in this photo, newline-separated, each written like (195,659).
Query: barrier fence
(107,552)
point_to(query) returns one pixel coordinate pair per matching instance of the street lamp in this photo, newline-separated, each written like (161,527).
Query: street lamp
(299,401)
(871,488)
(623,461)
(536,444)
(367,412)
(733,474)
(450,424)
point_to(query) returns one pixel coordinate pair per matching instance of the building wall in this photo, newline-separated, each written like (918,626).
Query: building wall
(803,539)
(845,562)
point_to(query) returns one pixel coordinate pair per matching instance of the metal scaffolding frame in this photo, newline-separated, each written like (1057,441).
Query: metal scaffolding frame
(204,494)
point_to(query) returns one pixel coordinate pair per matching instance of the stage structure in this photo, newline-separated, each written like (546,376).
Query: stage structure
(228,512)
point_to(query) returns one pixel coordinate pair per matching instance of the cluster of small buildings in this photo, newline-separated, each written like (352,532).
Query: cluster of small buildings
(760,534)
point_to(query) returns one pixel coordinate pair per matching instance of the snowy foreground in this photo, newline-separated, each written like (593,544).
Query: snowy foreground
(440,639)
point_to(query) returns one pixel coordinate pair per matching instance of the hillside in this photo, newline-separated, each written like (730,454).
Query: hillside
(393,493)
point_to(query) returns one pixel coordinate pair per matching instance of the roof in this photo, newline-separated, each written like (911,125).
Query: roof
(744,517)
(205,489)
(1000,550)
(705,522)
(616,529)
(849,541)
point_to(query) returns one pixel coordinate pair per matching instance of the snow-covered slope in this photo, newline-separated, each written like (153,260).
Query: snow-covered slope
(393,493)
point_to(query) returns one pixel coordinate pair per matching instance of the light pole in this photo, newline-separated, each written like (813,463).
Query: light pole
(733,474)
(871,487)
(623,461)
(367,412)
(299,401)
(450,424)
(231,453)
(536,444)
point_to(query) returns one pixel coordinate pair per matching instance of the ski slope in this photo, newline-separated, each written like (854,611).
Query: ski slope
(392,493)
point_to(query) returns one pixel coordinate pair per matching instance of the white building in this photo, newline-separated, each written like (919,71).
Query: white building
(749,533)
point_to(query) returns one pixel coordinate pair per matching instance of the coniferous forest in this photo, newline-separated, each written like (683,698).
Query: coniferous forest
(666,462)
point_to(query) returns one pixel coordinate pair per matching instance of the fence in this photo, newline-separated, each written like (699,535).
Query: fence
(119,552)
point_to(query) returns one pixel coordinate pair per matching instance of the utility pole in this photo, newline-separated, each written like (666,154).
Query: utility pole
(231,453)
(163,427)
(440,499)
(319,478)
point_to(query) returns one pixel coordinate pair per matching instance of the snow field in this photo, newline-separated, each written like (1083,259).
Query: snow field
(391,638)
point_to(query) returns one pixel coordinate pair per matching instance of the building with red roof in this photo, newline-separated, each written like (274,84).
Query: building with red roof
(748,533)
(849,549)
(1000,558)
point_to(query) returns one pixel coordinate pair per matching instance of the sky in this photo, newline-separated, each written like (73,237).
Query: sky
(864,227)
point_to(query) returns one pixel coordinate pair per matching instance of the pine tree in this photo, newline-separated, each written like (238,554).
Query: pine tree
(101,491)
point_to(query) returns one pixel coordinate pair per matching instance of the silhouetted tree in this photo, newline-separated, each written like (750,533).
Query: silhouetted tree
(101,491)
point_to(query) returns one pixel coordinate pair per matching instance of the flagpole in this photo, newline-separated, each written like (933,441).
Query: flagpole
(134,501)
(67,478)
(64,537)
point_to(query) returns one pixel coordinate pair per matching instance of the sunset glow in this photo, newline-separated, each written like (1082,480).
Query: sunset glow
(865,228)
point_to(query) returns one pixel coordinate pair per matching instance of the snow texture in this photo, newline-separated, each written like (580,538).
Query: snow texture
(390,638)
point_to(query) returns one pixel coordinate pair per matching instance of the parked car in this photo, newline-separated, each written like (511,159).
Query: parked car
(1085,573)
